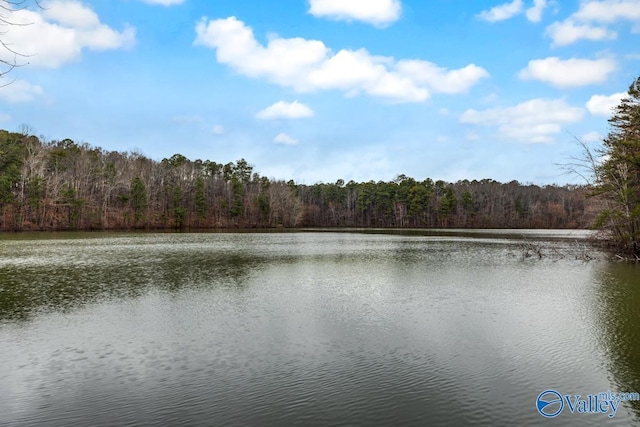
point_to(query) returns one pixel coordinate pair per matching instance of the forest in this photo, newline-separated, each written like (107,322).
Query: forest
(64,185)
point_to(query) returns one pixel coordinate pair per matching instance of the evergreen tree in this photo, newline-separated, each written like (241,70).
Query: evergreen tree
(200,200)
(11,153)
(237,191)
(618,177)
(179,212)
(74,205)
(138,199)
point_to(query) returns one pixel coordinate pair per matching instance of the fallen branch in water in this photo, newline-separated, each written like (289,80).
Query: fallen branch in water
(628,259)
(530,249)
(579,251)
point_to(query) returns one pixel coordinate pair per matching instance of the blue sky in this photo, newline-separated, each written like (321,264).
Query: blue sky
(317,90)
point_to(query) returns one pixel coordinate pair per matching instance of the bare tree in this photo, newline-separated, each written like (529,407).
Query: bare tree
(10,58)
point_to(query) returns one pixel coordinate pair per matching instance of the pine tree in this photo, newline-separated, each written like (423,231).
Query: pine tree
(138,199)
(200,200)
(179,212)
(618,176)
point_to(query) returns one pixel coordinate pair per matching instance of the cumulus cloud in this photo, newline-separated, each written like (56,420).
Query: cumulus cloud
(59,32)
(377,12)
(164,2)
(308,65)
(516,7)
(534,121)
(568,32)
(502,12)
(603,105)
(282,61)
(359,71)
(283,138)
(609,11)
(534,13)
(590,21)
(71,13)
(569,73)
(440,79)
(285,110)
(20,91)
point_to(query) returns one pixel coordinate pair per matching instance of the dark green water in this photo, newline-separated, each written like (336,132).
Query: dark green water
(310,329)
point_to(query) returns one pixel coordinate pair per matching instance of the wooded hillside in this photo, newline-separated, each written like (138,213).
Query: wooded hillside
(62,185)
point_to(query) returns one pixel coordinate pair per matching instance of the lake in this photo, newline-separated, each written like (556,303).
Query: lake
(366,327)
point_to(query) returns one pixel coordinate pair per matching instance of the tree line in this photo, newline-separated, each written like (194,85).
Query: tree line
(64,185)
(406,202)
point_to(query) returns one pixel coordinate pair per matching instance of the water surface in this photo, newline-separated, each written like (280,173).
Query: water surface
(315,328)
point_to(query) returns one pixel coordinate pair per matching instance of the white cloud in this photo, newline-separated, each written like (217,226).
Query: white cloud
(377,12)
(568,32)
(282,61)
(58,33)
(164,2)
(358,71)
(20,91)
(603,105)
(534,121)
(509,10)
(218,130)
(308,65)
(502,12)
(71,14)
(5,117)
(591,137)
(609,11)
(569,73)
(283,138)
(582,24)
(440,79)
(534,13)
(285,110)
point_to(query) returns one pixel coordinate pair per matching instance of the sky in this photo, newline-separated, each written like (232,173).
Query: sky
(321,90)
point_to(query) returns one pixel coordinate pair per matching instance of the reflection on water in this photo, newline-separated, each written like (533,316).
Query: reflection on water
(308,329)
(61,275)
(619,297)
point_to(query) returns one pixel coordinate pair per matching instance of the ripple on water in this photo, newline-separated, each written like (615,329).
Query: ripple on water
(304,329)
